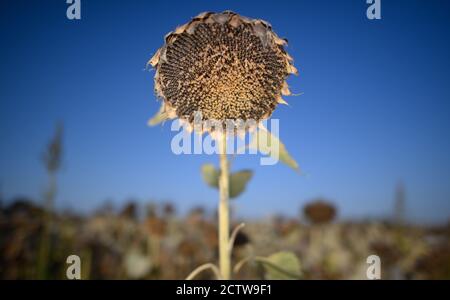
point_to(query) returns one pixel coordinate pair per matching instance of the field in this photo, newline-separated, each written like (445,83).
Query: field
(156,243)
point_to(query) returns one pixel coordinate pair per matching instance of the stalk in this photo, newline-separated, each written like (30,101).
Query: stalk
(44,248)
(224,215)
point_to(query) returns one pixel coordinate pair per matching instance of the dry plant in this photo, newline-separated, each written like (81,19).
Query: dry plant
(226,67)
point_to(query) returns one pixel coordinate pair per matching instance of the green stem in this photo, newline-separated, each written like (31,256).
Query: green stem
(224,215)
(202,268)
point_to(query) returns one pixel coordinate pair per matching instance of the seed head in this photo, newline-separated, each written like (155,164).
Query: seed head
(320,212)
(226,66)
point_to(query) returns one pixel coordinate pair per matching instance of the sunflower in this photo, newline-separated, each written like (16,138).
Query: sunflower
(223,66)
(320,212)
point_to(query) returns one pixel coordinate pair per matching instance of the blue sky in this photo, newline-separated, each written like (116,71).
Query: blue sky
(375,108)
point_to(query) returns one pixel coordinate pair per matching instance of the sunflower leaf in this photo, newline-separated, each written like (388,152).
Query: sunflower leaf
(281,265)
(238,180)
(210,175)
(264,141)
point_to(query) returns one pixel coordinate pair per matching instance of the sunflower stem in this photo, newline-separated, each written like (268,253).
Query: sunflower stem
(224,215)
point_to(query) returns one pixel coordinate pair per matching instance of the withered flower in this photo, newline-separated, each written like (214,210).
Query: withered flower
(320,212)
(223,65)
(216,71)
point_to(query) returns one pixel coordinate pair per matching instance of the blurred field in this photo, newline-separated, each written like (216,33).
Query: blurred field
(156,243)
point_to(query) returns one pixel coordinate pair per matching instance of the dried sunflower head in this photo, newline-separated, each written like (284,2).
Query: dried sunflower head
(223,66)
(320,212)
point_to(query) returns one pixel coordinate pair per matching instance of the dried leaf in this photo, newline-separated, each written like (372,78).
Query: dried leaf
(159,117)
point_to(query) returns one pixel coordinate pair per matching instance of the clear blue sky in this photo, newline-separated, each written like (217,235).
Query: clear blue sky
(375,108)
